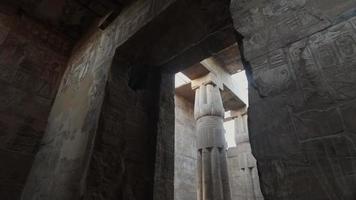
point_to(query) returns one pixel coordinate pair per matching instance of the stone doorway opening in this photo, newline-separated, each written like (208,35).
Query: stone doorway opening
(224,69)
(110,132)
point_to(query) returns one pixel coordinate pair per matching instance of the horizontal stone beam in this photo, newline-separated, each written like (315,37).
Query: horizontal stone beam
(228,82)
(232,97)
(235,113)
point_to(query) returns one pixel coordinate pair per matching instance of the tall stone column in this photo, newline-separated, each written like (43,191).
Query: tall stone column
(246,161)
(213,181)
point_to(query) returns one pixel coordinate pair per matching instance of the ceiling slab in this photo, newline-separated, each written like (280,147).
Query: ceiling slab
(71,17)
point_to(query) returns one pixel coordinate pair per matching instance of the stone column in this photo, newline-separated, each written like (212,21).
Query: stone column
(246,161)
(213,182)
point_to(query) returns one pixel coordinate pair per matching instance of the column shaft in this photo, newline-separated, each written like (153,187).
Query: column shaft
(213,182)
(246,161)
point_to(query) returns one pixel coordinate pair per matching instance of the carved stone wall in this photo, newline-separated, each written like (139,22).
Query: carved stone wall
(122,165)
(32,61)
(60,167)
(185,177)
(302,96)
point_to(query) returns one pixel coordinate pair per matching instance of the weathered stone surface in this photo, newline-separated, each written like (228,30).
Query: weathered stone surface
(270,25)
(30,71)
(60,167)
(302,57)
(122,166)
(164,144)
(272,73)
(185,176)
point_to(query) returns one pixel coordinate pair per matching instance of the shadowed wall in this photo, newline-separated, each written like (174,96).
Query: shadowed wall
(302,95)
(32,61)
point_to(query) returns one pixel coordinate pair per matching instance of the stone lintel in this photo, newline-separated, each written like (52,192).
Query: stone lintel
(228,82)
(232,97)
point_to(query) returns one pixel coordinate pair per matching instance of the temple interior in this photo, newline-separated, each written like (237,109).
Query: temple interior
(178,100)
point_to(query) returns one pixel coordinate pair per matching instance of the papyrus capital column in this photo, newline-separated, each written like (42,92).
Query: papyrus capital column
(246,163)
(213,183)
(240,124)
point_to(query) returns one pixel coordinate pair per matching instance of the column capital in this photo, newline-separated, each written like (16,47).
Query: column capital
(213,177)
(210,78)
(208,102)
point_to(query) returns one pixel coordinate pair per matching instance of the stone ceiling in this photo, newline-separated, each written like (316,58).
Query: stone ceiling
(71,17)
(230,59)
